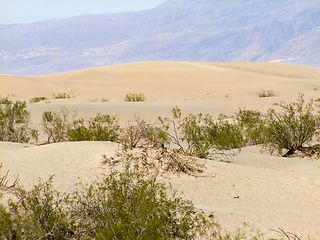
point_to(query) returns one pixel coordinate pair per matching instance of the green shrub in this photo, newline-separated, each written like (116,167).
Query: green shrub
(103,127)
(264,94)
(14,120)
(104,100)
(200,135)
(37,99)
(251,123)
(131,205)
(135,97)
(290,128)
(142,134)
(40,213)
(63,95)
(55,125)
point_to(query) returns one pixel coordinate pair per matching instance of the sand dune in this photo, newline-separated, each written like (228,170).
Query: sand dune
(264,191)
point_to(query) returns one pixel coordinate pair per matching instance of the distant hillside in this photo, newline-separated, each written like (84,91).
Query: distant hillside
(178,30)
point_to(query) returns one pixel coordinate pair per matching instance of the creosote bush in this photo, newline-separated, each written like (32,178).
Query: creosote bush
(63,95)
(126,204)
(103,127)
(142,134)
(59,128)
(200,135)
(251,124)
(135,97)
(14,120)
(264,94)
(291,128)
(55,125)
(38,99)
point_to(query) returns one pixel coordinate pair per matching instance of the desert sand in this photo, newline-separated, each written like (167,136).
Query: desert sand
(267,192)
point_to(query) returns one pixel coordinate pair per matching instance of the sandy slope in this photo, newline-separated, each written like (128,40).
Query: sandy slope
(262,190)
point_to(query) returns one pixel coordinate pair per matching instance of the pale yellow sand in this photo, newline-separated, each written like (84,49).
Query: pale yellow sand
(270,192)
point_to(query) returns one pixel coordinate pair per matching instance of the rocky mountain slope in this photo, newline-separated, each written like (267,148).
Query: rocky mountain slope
(178,30)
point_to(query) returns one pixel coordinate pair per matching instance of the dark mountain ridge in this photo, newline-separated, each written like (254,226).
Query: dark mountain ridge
(178,30)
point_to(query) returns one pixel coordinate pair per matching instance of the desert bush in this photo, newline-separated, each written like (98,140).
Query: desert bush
(290,128)
(4,180)
(135,97)
(126,204)
(141,134)
(37,99)
(251,123)
(14,122)
(200,134)
(55,125)
(63,95)
(5,100)
(40,213)
(104,100)
(131,205)
(103,127)
(79,131)
(264,94)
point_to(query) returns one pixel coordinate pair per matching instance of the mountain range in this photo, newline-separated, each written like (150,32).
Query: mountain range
(177,30)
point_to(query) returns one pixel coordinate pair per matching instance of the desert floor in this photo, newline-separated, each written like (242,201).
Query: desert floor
(267,192)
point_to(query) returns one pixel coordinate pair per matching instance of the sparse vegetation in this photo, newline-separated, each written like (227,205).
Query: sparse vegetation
(38,99)
(14,120)
(58,128)
(63,95)
(128,204)
(135,97)
(200,135)
(264,94)
(100,128)
(251,124)
(55,125)
(104,100)
(291,128)
(4,180)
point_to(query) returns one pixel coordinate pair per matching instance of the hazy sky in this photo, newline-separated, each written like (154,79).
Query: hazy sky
(26,11)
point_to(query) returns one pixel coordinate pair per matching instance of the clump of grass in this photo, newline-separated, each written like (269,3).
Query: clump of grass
(264,94)
(38,99)
(135,97)
(63,95)
(104,100)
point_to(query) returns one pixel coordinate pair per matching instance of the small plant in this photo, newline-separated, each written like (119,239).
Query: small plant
(100,128)
(40,213)
(200,135)
(5,100)
(135,97)
(55,125)
(291,128)
(131,205)
(142,134)
(63,95)
(251,123)
(264,94)
(104,100)
(4,180)
(14,120)
(38,99)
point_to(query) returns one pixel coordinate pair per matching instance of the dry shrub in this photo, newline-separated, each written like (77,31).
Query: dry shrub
(161,160)
(4,181)
(141,134)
